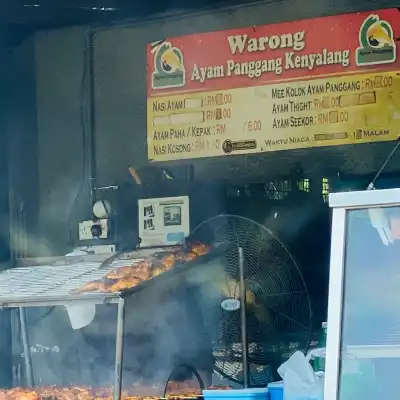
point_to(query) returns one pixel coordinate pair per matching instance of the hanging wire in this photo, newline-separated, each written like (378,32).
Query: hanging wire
(83,111)
(371,186)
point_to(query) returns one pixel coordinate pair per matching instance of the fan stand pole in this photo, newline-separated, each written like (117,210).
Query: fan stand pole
(243,323)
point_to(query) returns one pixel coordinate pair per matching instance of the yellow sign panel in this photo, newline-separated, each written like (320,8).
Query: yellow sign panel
(292,115)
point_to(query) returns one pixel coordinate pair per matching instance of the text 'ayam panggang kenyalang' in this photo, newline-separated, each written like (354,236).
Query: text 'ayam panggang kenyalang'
(295,42)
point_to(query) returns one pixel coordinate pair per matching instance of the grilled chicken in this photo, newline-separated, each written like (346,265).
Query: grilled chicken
(141,270)
(123,284)
(93,286)
(158,270)
(128,276)
(169,261)
(176,390)
(121,272)
(200,249)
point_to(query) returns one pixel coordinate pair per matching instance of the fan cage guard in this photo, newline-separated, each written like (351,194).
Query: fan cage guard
(276,289)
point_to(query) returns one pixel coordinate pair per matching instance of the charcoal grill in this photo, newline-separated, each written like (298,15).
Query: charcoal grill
(53,285)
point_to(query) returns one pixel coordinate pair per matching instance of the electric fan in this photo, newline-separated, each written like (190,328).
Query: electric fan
(277,310)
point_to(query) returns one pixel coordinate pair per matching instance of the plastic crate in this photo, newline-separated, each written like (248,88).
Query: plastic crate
(236,394)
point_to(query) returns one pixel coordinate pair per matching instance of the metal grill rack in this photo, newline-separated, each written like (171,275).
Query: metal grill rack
(49,285)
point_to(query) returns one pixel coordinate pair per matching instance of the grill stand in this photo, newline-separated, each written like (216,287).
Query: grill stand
(119,347)
(25,343)
(119,336)
(52,285)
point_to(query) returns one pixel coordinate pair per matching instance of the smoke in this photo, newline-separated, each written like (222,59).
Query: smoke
(170,318)
(163,329)
(60,210)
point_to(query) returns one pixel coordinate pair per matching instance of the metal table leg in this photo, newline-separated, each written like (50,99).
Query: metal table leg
(119,349)
(25,342)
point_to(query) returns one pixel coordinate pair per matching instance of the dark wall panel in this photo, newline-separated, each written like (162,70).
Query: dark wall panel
(120,102)
(59,63)
(22,145)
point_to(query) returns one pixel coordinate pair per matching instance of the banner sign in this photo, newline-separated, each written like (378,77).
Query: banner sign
(321,82)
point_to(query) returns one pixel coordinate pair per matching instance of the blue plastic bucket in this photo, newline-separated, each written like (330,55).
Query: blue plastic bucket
(275,391)
(236,394)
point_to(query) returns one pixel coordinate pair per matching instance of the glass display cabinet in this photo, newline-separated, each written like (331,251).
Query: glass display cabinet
(363,343)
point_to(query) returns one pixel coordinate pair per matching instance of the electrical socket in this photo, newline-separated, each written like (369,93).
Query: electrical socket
(85,229)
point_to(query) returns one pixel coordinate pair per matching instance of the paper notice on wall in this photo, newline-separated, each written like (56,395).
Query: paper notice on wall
(163,221)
